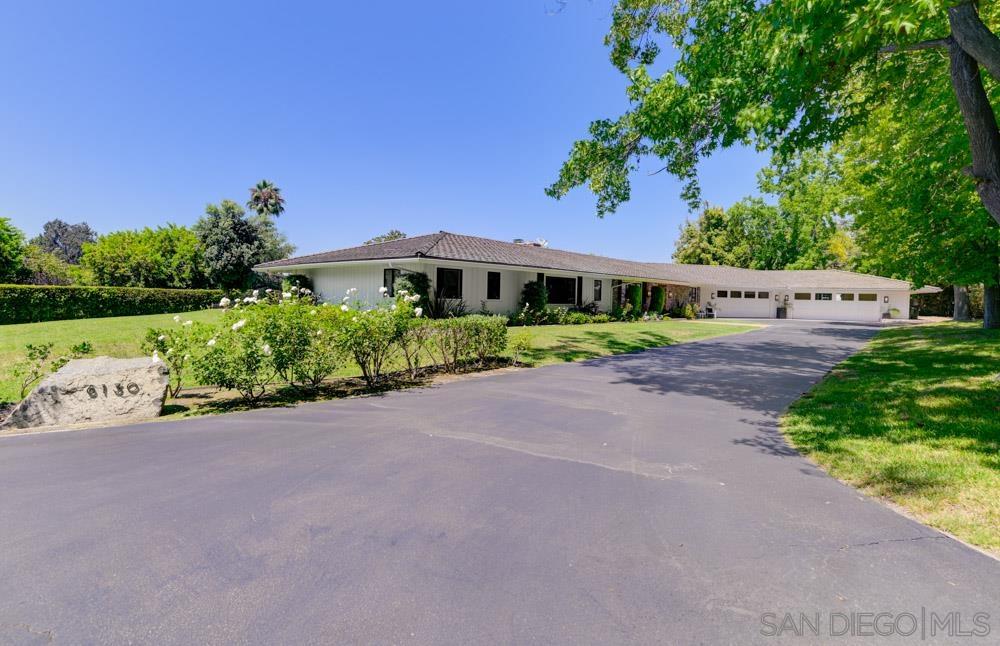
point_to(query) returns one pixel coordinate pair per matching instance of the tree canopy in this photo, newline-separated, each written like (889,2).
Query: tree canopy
(789,75)
(64,240)
(11,251)
(169,256)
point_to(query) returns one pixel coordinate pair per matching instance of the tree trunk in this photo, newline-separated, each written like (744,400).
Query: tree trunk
(981,126)
(991,307)
(963,307)
(975,37)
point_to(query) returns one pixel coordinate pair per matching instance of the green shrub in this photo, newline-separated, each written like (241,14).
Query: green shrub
(237,358)
(576,318)
(600,317)
(690,311)
(534,297)
(370,337)
(520,345)
(179,347)
(416,283)
(634,300)
(657,299)
(36,365)
(487,336)
(450,337)
(34,303)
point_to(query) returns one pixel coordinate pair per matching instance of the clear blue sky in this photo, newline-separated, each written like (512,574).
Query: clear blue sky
(419,116)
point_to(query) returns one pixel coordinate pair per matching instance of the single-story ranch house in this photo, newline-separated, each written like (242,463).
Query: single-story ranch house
(480,270)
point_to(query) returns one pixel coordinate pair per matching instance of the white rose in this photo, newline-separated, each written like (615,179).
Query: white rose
(186,323)
(177,319)
(344,308)
(383,290)
(266,349)
(286,294)
(161,337)
(418,311)
(238,324)
(211,342)
(224,302)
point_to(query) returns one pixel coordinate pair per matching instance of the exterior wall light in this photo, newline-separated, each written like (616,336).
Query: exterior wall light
(885,299)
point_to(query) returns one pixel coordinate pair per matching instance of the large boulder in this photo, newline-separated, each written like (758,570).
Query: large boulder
(94,390)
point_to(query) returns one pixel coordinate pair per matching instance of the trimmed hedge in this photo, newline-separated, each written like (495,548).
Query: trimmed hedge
(34,303)
(657,300)
(634,295)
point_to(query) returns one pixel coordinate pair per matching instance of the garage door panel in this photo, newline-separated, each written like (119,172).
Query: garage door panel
(835,310)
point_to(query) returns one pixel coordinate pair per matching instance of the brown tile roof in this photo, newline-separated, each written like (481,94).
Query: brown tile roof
(451,246)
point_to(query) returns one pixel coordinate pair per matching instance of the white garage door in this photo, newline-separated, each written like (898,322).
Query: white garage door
(744,304)
(835,306)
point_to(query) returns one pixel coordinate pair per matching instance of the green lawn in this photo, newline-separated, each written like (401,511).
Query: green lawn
(121,337)
(915,418)
(118,336)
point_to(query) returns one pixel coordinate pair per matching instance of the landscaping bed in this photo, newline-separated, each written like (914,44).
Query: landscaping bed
(123,337)
(914,418)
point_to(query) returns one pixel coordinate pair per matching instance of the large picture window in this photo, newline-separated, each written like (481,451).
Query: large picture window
(389,278)
(449,282)
(562,290)
(493,285)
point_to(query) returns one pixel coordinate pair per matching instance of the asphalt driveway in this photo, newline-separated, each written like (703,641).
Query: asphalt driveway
(640,498)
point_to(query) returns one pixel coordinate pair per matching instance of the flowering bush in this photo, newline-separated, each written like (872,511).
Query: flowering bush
(35,364)
(520,344)
(178,347)
(371,335)
(238,358)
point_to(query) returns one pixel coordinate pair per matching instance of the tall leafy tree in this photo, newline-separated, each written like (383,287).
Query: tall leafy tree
(64,240)
(916,216)
(266,200)
(392,234)
(11,251)
(785,74)
(805,228)
(231,243)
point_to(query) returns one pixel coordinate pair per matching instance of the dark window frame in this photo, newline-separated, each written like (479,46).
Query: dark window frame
(598,290)
(749,294)
(566,284)
(733,293)
(803,296)
(490,286)
(722,293)
(862,297)
(440,282)
(824,296)
(763,294)
(846,297)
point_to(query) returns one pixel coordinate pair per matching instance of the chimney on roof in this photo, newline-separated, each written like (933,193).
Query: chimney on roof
(518,240)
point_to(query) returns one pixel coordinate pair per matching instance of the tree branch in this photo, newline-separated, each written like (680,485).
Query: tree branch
(974,37)
(926,44)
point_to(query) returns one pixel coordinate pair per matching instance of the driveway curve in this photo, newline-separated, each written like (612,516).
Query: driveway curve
(644,498)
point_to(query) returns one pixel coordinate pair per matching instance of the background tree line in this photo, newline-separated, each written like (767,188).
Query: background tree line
(219,251)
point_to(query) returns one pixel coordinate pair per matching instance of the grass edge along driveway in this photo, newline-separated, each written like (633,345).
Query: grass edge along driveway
(914,418)
(122,337)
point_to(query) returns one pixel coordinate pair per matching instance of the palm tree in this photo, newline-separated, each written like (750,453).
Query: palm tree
(265,199)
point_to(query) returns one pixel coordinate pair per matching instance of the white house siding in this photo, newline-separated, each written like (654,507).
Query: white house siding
(331,283)
(835,309)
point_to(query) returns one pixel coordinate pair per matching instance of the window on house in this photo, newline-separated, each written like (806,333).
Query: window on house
(449,282)
(749,294)
(562,290)
(598,289)
(723,293)
(803,296)
(493,285)
(845,297)
(871,298)
(734,294)
(763,294)
(824,297)
(389,278)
